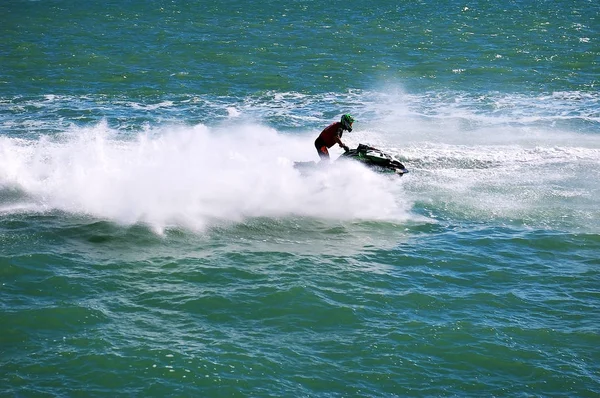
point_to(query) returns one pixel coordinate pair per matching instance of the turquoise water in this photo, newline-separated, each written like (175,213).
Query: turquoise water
(155,239)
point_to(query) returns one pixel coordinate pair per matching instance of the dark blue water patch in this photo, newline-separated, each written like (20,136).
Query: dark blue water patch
(12,195)
(179,48)
(106,232)
(46,320)
(341,314)
(464,257)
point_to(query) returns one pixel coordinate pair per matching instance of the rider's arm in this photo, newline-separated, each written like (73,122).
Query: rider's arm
(340,143)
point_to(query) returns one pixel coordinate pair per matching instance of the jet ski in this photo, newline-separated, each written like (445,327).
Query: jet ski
(373,158)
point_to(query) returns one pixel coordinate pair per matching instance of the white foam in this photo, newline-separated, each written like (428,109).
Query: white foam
(192,176)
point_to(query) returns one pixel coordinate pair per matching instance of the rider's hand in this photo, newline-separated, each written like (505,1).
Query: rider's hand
(346,149)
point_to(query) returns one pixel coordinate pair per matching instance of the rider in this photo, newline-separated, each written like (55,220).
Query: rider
(332,135)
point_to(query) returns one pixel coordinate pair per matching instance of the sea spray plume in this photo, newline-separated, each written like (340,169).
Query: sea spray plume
(191,176)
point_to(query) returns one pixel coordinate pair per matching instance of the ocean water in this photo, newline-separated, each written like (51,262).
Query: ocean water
(156,240)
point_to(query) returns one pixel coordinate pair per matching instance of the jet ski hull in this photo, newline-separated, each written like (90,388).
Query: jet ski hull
(371,157)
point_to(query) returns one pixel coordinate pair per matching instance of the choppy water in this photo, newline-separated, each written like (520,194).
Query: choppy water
(155,239)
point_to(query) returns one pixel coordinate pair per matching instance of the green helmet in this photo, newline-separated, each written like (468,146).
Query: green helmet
(347,121)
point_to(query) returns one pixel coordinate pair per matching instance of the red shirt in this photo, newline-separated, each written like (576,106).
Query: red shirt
(331,134)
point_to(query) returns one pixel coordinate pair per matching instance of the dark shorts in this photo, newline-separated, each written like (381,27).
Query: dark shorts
(321,148)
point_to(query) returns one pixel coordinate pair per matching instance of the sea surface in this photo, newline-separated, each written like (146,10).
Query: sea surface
(157,241)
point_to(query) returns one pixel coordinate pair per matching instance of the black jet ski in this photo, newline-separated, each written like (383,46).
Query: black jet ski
(371,157)
(375,159)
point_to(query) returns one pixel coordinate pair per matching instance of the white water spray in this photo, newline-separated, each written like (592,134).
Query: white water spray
(189,176)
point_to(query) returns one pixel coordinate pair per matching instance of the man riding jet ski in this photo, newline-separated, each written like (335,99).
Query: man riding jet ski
(367,155)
